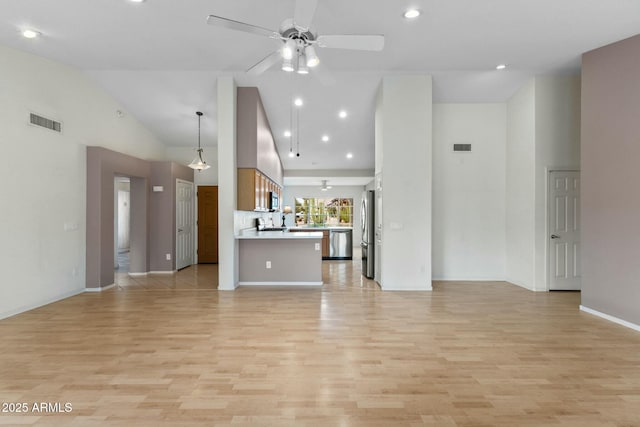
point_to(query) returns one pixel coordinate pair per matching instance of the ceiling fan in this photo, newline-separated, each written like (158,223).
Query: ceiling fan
(297,52)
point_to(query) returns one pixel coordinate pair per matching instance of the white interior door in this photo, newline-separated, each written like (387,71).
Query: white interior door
(185,224)
(564,230)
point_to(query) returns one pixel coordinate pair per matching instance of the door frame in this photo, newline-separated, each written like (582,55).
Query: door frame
(197,223)
(193,224)
(547,257)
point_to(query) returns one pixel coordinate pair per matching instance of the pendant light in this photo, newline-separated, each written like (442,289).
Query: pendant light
(198,163)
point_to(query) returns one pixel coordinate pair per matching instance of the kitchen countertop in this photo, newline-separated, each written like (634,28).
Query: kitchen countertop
(329,227)
(279,235)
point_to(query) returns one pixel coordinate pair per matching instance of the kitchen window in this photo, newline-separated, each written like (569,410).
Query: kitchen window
(330,212)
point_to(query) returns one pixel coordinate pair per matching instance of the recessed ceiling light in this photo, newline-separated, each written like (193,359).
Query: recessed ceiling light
(136,1)
(31,34)
(287,134)
(501,66)
(411,13)
(349,156)
(325,138)
(298,102)
(342,114)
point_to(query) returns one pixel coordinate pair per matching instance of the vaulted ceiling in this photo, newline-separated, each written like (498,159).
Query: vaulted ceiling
(160,59)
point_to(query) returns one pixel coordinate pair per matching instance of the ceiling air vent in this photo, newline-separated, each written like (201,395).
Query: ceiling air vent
(461,147)
(45,123)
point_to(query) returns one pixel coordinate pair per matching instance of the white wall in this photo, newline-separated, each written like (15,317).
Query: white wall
(520,187)
(469,192)
(404,136)
(44,201)
(227,178)
(557,131)
(543,132)
(184,156)
(347,191)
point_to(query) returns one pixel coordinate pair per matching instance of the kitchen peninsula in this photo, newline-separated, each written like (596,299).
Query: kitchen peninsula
(280,258)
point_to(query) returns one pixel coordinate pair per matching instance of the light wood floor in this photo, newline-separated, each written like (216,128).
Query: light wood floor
(173,351)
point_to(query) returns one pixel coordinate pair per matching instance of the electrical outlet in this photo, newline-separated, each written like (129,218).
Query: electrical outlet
(268,264)
(168,257)
(317,246)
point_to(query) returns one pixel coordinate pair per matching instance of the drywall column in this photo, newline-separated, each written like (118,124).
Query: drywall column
(520,187)
(140,225)
(610,176)
(228,256)
(405,147)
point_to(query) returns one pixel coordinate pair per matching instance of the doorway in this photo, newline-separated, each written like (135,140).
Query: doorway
(208,224)
(564,230)
(122,223)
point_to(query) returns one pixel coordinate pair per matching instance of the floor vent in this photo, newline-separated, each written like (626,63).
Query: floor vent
(461,147)
(45,123)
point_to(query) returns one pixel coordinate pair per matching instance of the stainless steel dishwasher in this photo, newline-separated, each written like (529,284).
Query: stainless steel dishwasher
(340,243)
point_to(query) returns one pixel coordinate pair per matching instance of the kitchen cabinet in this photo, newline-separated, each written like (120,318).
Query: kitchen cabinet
(253,190)
(325,239)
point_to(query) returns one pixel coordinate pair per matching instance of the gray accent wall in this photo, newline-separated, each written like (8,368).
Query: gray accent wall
(292,260)
(256,147)
(152,214)
(610,180)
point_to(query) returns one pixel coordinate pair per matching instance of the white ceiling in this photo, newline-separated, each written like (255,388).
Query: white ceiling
(160,59)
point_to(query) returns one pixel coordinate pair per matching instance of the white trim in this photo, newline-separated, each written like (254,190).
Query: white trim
(469,279)
(163,272)
(610,318)
(100,289)
(280,283)
(137,274)
(25,308)
(428,289)
(521,285)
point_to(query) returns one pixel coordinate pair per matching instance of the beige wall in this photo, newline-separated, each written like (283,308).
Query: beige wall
(610,180)
(45,216)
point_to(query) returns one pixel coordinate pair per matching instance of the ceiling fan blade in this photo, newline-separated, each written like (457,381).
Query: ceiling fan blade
(219,21)
(355,42)
(265,63)
(303,15)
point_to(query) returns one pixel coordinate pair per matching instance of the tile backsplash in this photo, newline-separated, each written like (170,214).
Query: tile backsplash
(246,220)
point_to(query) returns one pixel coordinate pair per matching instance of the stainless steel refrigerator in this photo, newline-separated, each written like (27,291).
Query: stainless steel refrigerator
(368,233)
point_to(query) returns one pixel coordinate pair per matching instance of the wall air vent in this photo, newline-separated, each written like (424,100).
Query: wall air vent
(45,123)
(461,147)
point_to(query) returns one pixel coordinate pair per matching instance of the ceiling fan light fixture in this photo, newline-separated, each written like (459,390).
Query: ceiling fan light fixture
(287,65)
(289,49)
(302,64)
(312,58)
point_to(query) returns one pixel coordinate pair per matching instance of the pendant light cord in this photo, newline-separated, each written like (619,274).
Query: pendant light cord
(199,113)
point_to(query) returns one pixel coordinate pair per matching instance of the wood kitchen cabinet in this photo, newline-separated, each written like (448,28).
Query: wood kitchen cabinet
(253,190)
